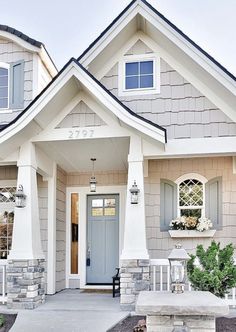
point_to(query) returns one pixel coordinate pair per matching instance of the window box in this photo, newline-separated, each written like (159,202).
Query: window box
(191,233)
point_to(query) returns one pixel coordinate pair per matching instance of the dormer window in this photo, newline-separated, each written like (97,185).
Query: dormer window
(4,86)
(139,75)
(11,86)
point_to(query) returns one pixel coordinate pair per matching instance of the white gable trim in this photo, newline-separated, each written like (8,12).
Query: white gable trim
(73,70)
(140,8)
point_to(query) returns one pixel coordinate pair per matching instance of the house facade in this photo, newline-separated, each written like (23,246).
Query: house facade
(142,106)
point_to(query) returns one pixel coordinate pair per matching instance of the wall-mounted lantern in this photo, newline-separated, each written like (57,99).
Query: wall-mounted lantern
(134,191)
(93,181)
(20,197)
(178,268)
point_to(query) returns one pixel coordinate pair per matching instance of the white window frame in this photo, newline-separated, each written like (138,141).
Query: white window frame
(8,183)
(192,176)
(122,91)
(6,66)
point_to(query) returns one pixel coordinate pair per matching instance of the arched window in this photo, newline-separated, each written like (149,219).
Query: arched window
(191,195)
(4,85)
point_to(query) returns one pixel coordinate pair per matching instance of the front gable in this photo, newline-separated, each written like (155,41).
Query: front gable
(209,80)
(182,109)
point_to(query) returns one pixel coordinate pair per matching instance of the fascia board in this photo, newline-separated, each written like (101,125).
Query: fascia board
(19,41)
(189,49)
(88,57)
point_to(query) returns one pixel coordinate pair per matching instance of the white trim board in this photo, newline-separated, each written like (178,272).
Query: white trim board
(83,193)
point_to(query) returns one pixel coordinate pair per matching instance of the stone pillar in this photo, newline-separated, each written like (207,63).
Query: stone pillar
(135,277)
(134,257)
(25,283)
(26,259)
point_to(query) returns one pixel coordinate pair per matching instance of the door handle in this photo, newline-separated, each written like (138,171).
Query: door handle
(88,260)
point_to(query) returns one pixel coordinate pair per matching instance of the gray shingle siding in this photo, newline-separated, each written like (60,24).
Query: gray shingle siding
(179,107)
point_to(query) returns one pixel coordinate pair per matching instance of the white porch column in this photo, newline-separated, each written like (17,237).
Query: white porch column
(25,272)
(51,259)
(26,242)
(134,270)
(135,246)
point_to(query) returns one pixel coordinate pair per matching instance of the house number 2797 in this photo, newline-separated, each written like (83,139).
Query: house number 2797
(83,133)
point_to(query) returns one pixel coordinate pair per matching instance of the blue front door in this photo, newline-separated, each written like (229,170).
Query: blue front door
(102,238)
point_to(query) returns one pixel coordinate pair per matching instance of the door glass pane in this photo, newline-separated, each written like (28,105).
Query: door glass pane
(97,203)
(97,212)
(109,202)
(7,204)
(109,211)
(74,233)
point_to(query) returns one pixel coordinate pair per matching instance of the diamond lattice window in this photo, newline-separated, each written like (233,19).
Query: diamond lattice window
(191,198)
(7,203)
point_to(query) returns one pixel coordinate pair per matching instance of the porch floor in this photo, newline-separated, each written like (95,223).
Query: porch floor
(71,311)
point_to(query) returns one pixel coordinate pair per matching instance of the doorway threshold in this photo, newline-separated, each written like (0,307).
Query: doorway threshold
(97,287)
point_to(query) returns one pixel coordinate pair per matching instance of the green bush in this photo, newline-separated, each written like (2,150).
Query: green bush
(216,272)
(2,320)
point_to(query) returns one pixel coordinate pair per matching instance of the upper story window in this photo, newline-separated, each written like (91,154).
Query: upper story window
(139,75)
(11,86)
(4,86)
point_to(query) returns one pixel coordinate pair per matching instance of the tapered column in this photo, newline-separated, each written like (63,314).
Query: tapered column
(135,246)
(26,242)
(25,274)
(134,257)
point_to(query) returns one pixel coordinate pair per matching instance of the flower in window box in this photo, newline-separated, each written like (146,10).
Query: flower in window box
(190,222)
(178,223)
(204,224)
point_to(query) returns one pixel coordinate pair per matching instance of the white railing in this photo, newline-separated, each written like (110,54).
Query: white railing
(160,279)
(3,271)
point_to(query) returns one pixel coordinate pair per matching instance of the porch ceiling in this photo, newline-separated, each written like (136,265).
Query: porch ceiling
(74,156)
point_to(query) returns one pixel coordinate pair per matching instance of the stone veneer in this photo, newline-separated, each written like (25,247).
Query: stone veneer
(180,323)
(25,283)
(134,277)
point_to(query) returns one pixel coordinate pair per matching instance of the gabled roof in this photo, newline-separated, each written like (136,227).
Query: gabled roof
(98,84)
(174,27)
(21,35)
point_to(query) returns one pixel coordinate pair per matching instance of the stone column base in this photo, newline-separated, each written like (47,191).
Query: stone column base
(25,283)
(189,323)
(134,277)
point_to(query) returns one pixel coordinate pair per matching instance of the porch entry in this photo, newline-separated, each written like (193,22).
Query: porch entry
(102,256)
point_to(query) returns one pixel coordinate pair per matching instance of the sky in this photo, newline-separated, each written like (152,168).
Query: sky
(68,27)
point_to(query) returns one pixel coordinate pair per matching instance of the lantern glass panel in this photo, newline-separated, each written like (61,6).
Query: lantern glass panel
(177,271)
(134,198)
